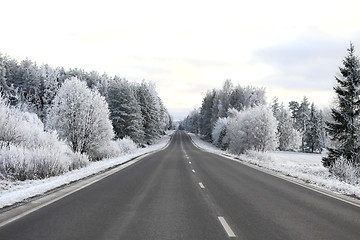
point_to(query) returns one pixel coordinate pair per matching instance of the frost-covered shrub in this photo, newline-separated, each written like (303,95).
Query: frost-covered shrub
(108,150)
(219,133)
(115,148)
(9,124)
(252,129)
(21,163)
(346,170)
(81,117)
(258,158)
(77,160)
(27,151)
(126,145)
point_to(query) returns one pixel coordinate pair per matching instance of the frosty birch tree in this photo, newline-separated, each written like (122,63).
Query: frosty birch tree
(344,127)
(81,117)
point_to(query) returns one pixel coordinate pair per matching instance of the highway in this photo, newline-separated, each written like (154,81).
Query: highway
(183,192)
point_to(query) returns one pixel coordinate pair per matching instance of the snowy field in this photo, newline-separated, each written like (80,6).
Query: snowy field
(304,167)
(12,192)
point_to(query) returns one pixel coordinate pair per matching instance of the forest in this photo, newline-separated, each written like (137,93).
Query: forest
(54,120)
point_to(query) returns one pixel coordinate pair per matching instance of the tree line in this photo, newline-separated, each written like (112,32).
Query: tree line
(82,115)
(135,109)
(240,114)
(238,119)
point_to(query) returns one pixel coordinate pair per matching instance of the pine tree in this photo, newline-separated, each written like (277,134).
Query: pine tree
(313,135)
(344,127)
(125,111)
(149,113)
(276,107)
(49,87)
(206,115)
(224,98)
(300,114)
(294,107)
(288,137)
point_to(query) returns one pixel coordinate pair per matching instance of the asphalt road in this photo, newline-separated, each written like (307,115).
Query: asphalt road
(185,193)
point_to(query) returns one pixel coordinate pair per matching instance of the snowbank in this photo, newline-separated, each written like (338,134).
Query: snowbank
(12,192)
(306,167)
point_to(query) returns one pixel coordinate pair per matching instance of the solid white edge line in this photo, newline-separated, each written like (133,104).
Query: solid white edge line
(270,172)
(288,179)
(201,185)
(101,176)
(226,226)
(95,178)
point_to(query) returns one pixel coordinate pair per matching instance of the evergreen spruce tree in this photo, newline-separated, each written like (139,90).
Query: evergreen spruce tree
(313,137)
(276,108)
(125,111)
(344,127)
(206,115)
(149,113)
(288,137)
(304,114)
(294,107)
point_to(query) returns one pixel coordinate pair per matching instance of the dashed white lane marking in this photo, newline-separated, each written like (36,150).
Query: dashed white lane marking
(193,170)
(226,226)
(201,185)
(189,162)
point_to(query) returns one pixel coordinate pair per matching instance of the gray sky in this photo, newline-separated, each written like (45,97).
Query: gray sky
(293,48)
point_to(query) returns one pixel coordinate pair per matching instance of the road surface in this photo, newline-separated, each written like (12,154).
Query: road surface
(185,193)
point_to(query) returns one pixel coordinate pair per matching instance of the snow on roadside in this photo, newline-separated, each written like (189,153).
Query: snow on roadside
(12,192)
(306,167)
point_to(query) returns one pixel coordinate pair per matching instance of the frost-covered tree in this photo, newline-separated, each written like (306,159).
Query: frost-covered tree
(29,85)
(150,112)
(344,127)
(219,133)
(81,117)
(3,83)
(216,104)
(125,110)
(191,122)
(205,123)
(304,115)
(313,133)
(247,97)
(276,107)
(294,107)
(288,137)
(102,84)
(300,114)
(49,86)
(29,152)
(252,129)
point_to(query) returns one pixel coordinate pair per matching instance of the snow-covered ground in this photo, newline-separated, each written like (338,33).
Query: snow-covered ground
(304,167)
(12,192)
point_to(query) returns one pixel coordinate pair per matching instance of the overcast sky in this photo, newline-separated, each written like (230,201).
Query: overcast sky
(293,48)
